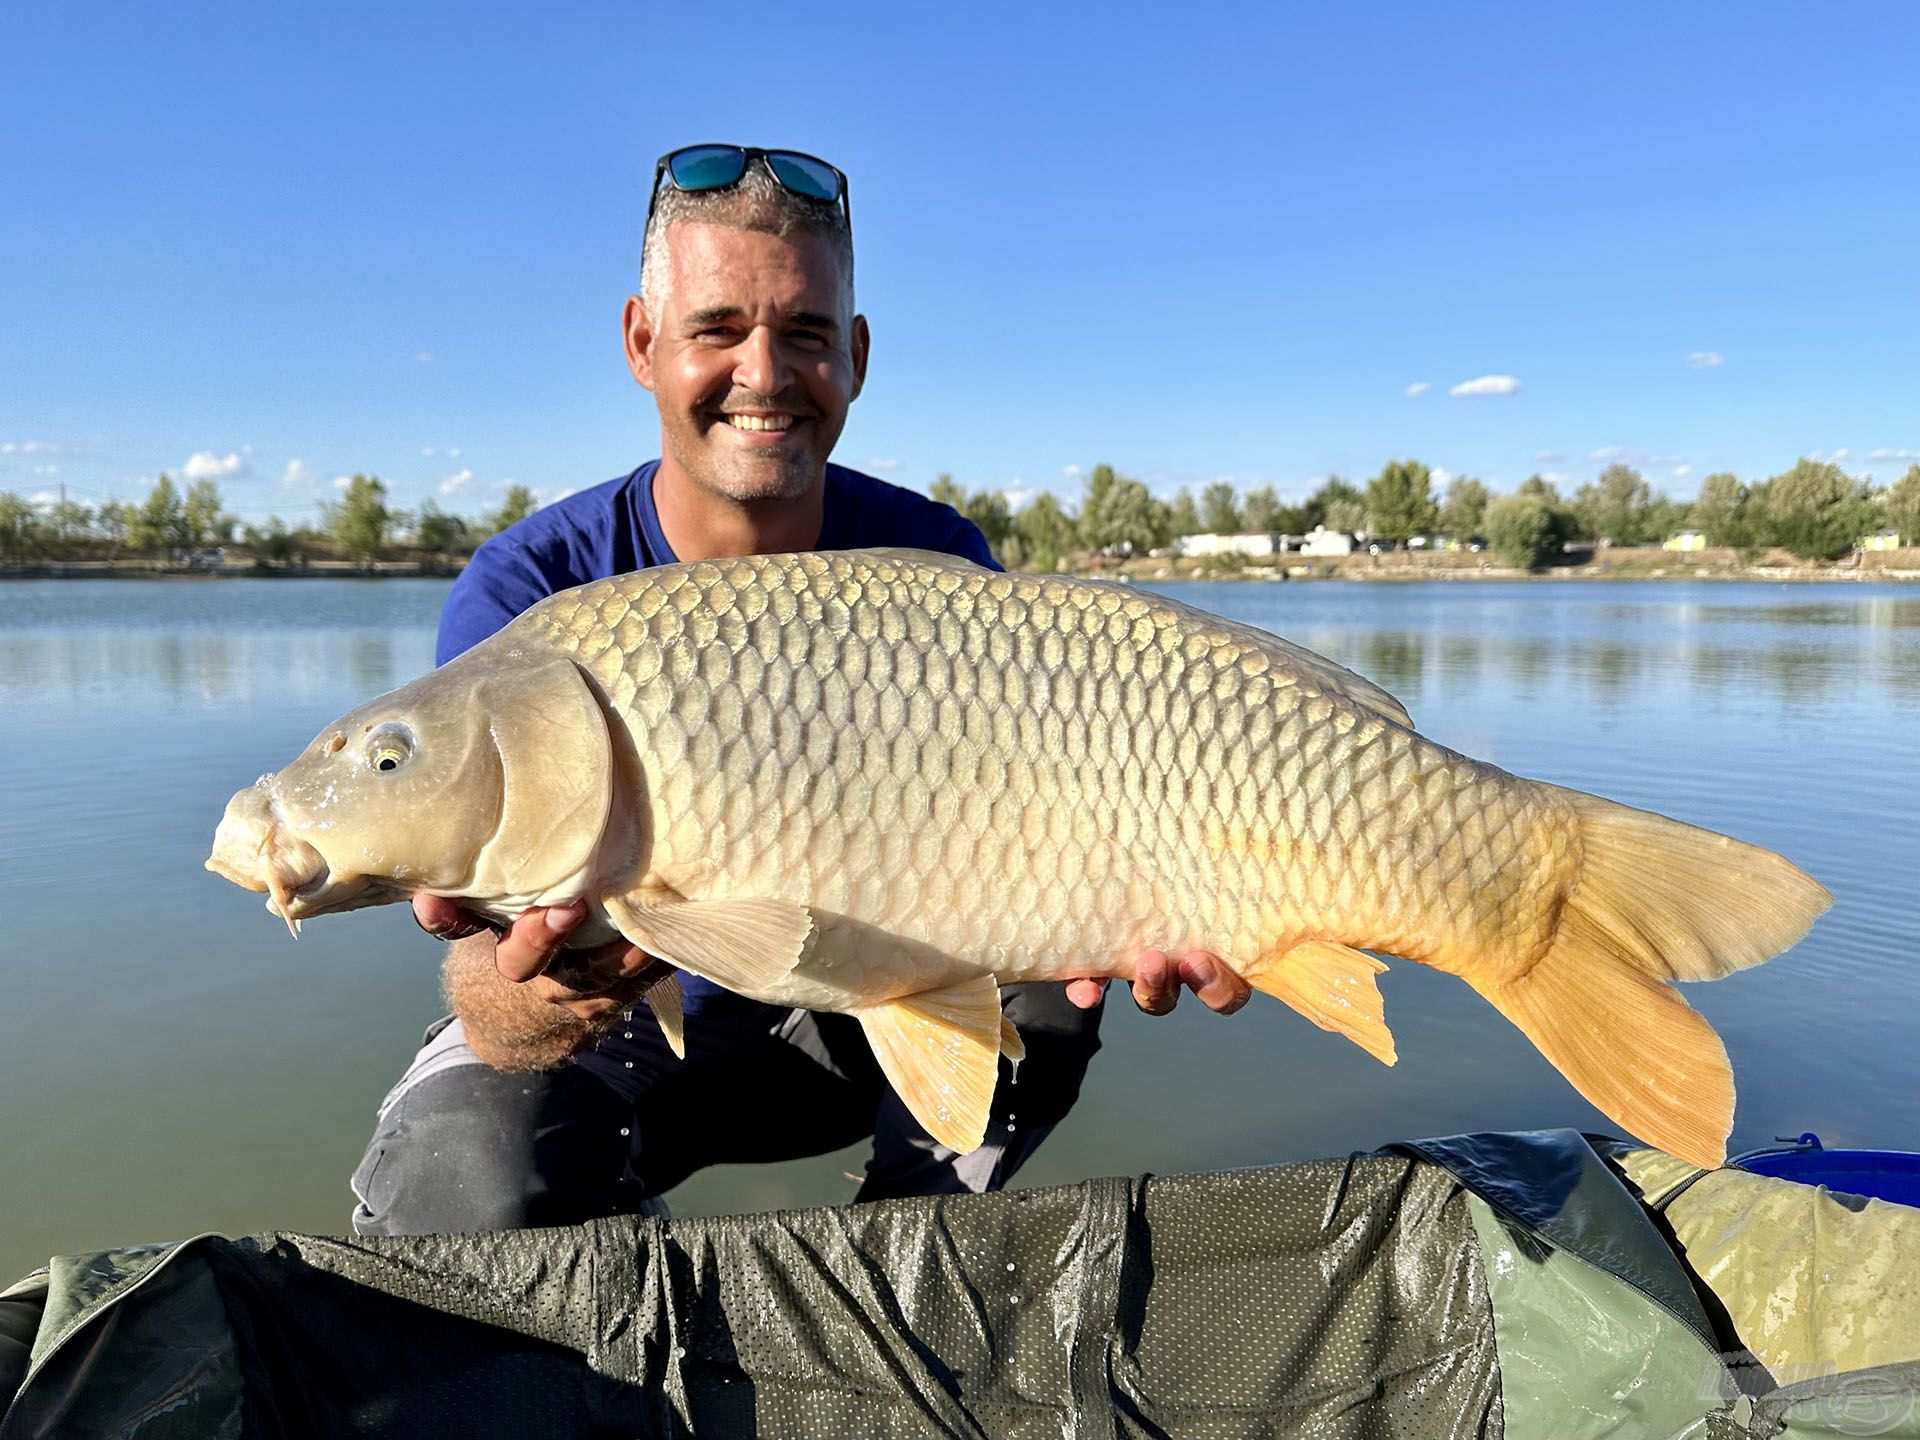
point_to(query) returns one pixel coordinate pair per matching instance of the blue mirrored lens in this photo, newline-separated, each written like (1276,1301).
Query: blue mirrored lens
(804,176)
(708,167)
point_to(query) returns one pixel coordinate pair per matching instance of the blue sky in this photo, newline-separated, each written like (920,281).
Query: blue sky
(278,244)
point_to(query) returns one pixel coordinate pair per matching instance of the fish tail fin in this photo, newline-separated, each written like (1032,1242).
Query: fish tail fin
(1653,901)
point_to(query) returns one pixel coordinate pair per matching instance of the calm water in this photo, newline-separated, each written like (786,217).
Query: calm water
(171,1062)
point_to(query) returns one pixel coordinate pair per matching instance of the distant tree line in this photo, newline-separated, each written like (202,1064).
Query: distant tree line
(1815,510)
(170,525)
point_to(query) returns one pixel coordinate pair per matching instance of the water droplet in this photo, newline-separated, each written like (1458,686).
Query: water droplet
(1010,1267)
(1013,1300)
(629,1064)
(679,1352)
(625,1130)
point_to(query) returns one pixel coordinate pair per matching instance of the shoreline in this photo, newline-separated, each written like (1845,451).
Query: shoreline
(1898,567)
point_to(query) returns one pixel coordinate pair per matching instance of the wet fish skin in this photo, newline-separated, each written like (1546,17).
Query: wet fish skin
(885,783)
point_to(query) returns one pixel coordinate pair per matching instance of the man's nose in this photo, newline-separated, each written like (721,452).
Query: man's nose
(759,363)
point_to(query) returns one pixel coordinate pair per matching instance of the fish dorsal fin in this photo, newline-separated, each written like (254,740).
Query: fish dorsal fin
(748,944)
(1333,986)
(940,1050)
(663,998)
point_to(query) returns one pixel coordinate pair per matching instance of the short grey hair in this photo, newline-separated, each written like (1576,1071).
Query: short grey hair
(757,202)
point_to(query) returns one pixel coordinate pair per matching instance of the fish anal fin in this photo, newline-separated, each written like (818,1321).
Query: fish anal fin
(750,945)
(1334,986)
(940,1050)
(663,998)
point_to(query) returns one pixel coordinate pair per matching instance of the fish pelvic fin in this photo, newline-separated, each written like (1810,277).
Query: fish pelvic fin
(664,999)
(748,945)
(1334,986)
(940,1050)
(1653,901)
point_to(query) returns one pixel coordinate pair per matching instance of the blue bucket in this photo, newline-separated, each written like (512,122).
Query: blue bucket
(1882,1174)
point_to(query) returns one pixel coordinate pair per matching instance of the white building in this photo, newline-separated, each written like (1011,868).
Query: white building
(1322,541)
(1259,542)
(1685,540)
(1881,540)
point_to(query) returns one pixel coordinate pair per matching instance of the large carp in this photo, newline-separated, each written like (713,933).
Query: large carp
(886,783)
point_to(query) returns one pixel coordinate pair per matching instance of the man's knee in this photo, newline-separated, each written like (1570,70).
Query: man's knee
(461,1147)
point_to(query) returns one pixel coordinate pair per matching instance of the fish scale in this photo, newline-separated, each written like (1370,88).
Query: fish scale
(885,782)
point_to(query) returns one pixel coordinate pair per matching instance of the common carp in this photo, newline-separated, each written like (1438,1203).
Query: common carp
(886,783)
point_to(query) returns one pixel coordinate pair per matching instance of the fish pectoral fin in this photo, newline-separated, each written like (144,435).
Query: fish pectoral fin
(1333,985)
(663,998)
(749,945)
(940,1050)
(1011,1045)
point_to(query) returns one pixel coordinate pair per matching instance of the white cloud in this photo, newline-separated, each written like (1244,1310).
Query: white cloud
(341,482)
(1072,472)
(885,465)
(1885,454)
(205,465)
(452,452)
(1680,472)
(44,498)
(1550,457)
(1555,478)
(1705,359)
(1609,454)
(1833,458)
(456,481)
(1018,497)
(1487,385)
(47,471)
(1420,387)
(423,357)
(1440,475)
(297,475)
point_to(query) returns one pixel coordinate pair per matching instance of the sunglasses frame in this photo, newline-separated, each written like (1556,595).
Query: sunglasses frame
(748,154)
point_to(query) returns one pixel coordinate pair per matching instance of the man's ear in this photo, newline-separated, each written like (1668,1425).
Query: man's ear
(861,340)
(638,331)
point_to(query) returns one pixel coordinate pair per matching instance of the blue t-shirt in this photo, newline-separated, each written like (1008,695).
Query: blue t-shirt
(610,530)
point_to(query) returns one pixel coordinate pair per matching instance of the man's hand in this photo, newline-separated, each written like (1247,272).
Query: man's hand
(1157,981)
(526,1003)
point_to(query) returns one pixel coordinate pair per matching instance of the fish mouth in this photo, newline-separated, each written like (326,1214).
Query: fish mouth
(253,848)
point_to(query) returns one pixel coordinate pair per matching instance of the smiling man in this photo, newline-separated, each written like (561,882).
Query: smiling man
(550,1096)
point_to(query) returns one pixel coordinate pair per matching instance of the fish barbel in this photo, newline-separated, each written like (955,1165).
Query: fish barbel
(886,783)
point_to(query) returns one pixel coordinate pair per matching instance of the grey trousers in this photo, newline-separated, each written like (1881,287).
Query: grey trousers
(461,1147)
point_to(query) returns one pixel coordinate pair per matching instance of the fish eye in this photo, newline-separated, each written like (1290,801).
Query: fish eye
(389,746)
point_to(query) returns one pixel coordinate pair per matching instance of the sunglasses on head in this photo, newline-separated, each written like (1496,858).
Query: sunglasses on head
(721,167)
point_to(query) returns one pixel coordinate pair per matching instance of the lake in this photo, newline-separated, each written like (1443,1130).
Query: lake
(172,1062)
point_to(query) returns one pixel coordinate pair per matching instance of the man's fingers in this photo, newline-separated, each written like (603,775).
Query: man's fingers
(445,920)
(1086,992)
(1156,984)
(530,942)
(1219,989)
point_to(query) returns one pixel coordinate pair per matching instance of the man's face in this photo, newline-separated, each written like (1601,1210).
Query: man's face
(754,360)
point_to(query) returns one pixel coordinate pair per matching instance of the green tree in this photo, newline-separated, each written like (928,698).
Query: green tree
(944,491)
(989,510)
(19,528)
(71,523)
(1522,529)
(1903,506)
(1720,510)
(438,533)
(360,521)
(1046,532)
(202,521)
(1817,510)
(1121,515)
(1182,517)
(1219,510)
(159,524)
(1400,501)
(1336,505)
(1565,525)
(1666,515)
(1262,510)
(112,523)
(1614,507)
(1464,512)
(518,505)
(273,544)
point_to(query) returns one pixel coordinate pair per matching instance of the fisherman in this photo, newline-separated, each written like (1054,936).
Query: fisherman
(549,1096)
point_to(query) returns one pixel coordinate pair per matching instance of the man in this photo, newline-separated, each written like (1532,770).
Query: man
(553,1098)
